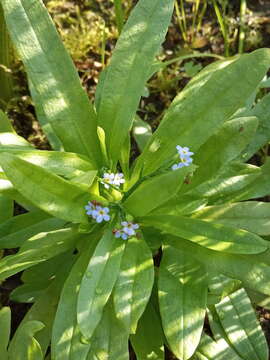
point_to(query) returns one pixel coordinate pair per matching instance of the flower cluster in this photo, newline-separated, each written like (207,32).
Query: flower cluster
(97,212)
(185,157)
(113,179)
(128,230)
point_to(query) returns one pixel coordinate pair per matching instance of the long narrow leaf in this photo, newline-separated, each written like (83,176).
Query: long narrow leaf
(124,80)
(53,76)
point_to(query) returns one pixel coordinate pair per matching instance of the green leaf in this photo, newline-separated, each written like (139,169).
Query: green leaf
(218,350)
(5,324)
(193,116)
(64,326)
(242,327)
(149,338)
(262,136)
(5,123)
(155,191)
(25,346)
(55,80)
(181,205)
(214,236)
(230,140)
(38,278)
(44,308)
(61,163)
(11,140)
(253,216)
(230,182)
(98,282)
(134,283)
(38,249)
(6,209)
(248,268)
(15,231)
(125,78)
(47,128)
(141,132)
(182,291)
(46,190)
(110,340)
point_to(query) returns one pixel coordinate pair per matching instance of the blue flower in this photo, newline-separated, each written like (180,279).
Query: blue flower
(127,231)
(120,234)
(184,152)
(89,208)
(185,157)
(101,213)
(129,228)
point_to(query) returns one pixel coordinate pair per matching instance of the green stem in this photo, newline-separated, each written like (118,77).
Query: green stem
(5,63)
(180,21)
(119,14)
(223,27)
(243,9)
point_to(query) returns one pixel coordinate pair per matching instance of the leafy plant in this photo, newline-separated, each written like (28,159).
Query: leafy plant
(109,256)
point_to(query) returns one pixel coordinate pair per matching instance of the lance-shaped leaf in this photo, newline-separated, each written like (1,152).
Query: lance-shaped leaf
(250,269)
(45,306)
(218,350)
(5,123)
(6,209)
(38,278)
(38,249)
(142,132)
(53,76)
(14,141)
(5,324)
(193,116)
(253,216)
(182,291)
(149,338)
(134,283)
(214,236)
(125,78)
(98,282)
(262,136)
(156,191)
(22,227)
(64,326)
(46,190)
(25,346)
(110,340)
(241,326)
(230,140)
(61,163)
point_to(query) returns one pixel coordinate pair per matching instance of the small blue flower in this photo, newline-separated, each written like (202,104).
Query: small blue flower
(129,228)
(184,151)
(185,157)
(89,208)
(120,234)
(101,213)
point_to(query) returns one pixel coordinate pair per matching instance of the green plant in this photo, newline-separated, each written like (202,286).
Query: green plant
(88,242)
(5,63)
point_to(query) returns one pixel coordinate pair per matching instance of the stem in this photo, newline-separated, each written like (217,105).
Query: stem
(243,9)
(180,21)
(222,27)
(194,17)
(201,15)
(5,62)
(119,14)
